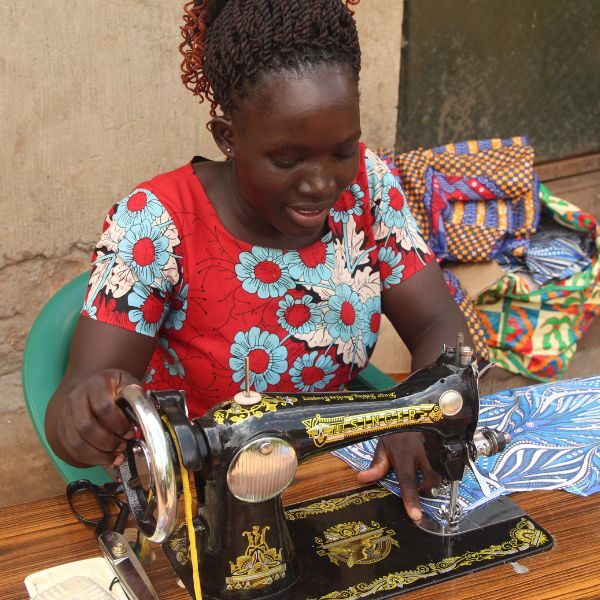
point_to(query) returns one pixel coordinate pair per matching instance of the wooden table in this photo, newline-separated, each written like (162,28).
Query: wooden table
(41,534)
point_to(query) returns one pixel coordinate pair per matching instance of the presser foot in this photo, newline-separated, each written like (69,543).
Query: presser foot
(492,513)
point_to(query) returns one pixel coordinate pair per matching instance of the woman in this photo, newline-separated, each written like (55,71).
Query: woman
(286,252)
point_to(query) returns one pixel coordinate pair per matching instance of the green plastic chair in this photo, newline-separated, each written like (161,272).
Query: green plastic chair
(44,364)
(45,361)
(374,379)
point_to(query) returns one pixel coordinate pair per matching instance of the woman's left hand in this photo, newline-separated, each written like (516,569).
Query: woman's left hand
(405,452)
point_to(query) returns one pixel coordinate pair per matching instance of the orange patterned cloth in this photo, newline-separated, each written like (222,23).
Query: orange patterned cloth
(472,200)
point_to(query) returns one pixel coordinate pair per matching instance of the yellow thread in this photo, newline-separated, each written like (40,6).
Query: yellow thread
(187,501)
(145,550)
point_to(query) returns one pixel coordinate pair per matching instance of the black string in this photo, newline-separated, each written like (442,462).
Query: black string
(116,581)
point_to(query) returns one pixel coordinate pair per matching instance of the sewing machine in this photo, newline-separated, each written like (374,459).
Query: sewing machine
(244,453)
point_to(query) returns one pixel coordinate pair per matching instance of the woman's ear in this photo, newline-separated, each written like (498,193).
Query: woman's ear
(222,132)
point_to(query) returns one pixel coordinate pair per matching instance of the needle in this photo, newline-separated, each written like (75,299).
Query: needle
(453,502)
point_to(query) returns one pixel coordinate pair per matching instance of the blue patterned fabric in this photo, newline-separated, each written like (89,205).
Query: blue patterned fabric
(555,431)
(554,252)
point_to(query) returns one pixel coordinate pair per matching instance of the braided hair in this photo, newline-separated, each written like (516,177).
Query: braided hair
(228,44)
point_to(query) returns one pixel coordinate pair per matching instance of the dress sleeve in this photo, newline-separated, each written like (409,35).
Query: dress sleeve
(136,268)
(401,249)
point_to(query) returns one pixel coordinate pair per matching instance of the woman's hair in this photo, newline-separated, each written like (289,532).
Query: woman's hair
(228,44)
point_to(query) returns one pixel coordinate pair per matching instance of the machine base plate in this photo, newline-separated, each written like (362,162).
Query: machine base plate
(361,544)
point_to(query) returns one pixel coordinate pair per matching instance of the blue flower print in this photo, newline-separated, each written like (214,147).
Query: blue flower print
(309,375)
(314,263)
(344,318)
(390,267)
(90,310)
(148,309)
(372,321)
(347,204)
(393,202)
(139,207)
(268,358)
(171,360)
(148,376)
(264,272)
(144,249)
(177,311)
(298,316)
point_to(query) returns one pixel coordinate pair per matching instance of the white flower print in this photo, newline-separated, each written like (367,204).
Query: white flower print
(111,236)
(408,237)
(100,271)
(121,279)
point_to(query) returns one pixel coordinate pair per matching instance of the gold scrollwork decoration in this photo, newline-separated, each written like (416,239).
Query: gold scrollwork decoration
(355,543)
(180,545)
(236,413)
(333,504)
(259,566)
(523,536)
(529,535)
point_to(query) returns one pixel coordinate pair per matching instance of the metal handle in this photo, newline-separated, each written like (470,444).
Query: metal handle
(159,461)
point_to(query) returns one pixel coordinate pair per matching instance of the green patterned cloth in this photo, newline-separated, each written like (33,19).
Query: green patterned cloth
(534,330)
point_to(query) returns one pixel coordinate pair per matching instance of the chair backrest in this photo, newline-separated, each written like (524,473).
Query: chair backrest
(374,379)
(44,363)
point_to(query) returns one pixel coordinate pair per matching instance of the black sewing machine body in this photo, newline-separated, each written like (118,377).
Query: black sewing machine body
(244,455)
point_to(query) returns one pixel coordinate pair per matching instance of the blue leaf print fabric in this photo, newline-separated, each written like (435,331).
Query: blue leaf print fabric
(555,441)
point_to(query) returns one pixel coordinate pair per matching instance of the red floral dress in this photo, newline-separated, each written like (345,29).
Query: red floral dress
(308,319)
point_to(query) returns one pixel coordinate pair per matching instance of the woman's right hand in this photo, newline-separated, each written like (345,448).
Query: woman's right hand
(91,427)
(83,424)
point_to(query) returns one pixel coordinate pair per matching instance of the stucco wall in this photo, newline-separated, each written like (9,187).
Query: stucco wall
(90,104)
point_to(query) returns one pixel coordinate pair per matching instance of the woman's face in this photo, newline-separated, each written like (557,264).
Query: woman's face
(296,145)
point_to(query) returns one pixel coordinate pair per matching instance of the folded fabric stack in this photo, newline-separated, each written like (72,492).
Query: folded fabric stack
(478,201)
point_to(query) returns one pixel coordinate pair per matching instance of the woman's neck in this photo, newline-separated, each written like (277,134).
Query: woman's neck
(236,215)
